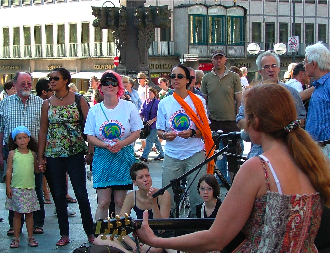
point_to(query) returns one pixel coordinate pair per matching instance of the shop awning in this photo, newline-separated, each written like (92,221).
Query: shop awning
(39,74)
(87,75)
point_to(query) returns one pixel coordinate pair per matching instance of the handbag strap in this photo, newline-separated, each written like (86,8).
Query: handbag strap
(104,112)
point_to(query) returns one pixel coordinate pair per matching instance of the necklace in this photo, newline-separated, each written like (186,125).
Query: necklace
(63,96)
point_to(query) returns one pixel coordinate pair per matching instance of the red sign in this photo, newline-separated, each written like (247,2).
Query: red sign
(206,66)
(116,60)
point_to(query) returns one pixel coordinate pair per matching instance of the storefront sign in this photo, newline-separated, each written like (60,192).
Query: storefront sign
(10,67)
(242,64)
(53,66)
(160,66)
(104,66)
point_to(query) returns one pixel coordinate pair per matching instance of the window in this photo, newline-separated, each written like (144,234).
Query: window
(197,29)
(256,32)
(16,42)
(97,34)
(85,33)
(235,31)
(5,3)
(26,2)
(27,35)
(15,2)
(49,41)
(38,41)
(283,36)
(73,33)
(269,35)
(297,29)
(310,1)
(322,1)
(165,34)
(5,32)
(322,33)
(73,40)
(60,34)
(309,34)
(217,33)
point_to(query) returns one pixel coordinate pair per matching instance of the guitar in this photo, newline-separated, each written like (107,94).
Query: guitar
(122,226)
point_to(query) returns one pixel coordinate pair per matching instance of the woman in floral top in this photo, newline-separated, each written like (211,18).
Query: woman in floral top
(63,147)
(276,197)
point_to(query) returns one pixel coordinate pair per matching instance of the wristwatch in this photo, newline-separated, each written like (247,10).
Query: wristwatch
(193,132)
(163,135)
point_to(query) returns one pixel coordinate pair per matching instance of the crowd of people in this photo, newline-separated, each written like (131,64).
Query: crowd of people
(276,197)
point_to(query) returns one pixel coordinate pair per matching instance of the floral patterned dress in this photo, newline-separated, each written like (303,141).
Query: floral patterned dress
(64,137)
(282,223)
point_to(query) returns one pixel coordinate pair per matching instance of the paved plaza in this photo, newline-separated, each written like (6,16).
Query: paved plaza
(47,241)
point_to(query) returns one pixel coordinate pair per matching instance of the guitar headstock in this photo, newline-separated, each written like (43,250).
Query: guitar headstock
(120,226)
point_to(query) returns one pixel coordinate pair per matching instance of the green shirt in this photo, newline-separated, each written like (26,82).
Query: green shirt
(220,93)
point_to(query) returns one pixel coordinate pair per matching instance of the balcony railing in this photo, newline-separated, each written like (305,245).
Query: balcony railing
(96,49)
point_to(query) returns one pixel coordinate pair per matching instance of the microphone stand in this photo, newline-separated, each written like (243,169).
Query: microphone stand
(176,182)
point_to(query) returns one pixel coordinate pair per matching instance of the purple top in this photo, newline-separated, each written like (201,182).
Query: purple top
(149,107)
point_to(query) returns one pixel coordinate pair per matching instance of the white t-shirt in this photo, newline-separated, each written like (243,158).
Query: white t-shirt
(244,83)
(171,117)
(122,121)
(143,92)
(294,83)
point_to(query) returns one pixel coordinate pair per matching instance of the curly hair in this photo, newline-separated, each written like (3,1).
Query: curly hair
(33,144)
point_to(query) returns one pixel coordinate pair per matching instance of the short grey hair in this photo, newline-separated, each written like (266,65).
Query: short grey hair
(264,54)
(320,54)
(17,74)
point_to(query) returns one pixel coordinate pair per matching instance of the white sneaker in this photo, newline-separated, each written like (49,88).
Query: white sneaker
(70,212)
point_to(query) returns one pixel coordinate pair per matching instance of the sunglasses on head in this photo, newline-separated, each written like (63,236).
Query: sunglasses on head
(179,76)
(56,78)
(110,82)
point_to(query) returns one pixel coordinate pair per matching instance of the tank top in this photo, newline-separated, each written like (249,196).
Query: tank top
(23,170)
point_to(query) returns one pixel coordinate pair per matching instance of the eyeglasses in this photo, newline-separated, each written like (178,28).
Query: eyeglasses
(202,189)
(266,67)
(23,84)
(108,83)
(179,76)
(55,78)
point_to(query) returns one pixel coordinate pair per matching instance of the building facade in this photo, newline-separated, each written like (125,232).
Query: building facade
(40,35)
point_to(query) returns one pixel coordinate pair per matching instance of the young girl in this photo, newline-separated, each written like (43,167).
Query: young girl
(21,195)
(209,189)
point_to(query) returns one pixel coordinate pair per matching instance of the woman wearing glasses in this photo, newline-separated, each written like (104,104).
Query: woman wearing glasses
(62,144)
(112,126)
(182,121)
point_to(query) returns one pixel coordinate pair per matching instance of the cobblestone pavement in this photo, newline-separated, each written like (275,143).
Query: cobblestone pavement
(47,241)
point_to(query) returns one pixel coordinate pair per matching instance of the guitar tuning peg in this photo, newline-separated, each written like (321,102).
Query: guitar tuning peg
(120,238)
(123,233)
(115,232)
(103,237)
(118,223)
(110,225)
(112,214)
(98,227)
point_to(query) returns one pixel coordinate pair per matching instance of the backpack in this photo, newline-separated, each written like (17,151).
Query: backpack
(82,119)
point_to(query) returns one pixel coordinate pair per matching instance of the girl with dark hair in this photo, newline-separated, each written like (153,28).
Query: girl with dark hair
(209,189)
(62,145)
(112,126)
(164,85)
(182,122)
(276,198)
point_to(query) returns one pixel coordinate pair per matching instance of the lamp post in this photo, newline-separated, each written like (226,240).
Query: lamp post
(293,26)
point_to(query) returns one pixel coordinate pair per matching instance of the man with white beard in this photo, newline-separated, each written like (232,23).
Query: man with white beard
(22,109)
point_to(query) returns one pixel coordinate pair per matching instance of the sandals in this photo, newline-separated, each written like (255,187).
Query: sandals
(142,159)
(140,150)
(63,242)
(10,232)
(38,230)
(32,242)
(47,201)
(14,242)
(158,158)
(71,200)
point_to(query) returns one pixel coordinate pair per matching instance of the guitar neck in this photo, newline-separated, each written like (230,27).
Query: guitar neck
(186,224)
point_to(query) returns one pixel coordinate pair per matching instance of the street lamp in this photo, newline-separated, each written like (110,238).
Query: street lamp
(254,48)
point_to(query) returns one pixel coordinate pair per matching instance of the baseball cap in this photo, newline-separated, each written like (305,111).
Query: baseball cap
(218,52)
(109,75)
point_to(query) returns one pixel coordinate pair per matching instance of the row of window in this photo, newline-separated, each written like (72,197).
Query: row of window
(270,30)
(9,3)
(298,1)
(219,30)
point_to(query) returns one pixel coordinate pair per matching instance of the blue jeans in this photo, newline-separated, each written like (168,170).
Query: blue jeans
(222,165)
(55,173)
(151,139)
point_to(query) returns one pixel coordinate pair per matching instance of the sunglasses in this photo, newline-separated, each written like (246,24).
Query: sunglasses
(108,83)
(55,78)
(179,76)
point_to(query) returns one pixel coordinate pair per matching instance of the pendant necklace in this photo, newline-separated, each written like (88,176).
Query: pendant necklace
(62,97)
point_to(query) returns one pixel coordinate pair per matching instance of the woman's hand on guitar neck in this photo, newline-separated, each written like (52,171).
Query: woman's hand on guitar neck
(145,233)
